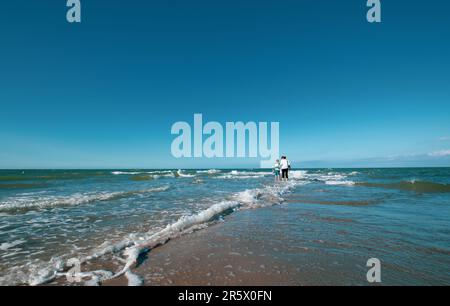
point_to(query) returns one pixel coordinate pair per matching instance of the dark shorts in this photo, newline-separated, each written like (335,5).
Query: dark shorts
(285,173)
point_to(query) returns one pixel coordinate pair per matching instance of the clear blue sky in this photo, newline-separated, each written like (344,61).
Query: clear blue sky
(104,93)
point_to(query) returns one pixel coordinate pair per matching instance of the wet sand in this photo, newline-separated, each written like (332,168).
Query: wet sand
(289,244)
(244,250)
(210,257)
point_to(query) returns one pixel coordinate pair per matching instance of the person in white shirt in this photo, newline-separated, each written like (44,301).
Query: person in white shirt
(285,165)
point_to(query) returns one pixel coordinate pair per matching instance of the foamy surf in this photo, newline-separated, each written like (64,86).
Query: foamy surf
(41,202)
(110,238)
(180,173)
(239,175)
(342,183)
(329,178)
(5,246)
(129,249)
(126,173)
(210,171)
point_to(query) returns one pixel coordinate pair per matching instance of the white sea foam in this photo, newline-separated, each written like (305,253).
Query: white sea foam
(238,177)
(8,245)
(126,173)
(247,196)
(155,174)
(330,177)
(133,279)
(243,175)
(269,195)
(210,171)
(181,174)
(40,273)
(41,202)
(159,171)
(132,246)
(258,173)
(298,174)
(96,277)
(346,183)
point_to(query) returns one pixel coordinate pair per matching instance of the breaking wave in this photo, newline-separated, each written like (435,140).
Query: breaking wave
(5,246)
(181,174)
(329,178)
(243,175)
(210,171)
(342,183)
(41,202)
(130,248)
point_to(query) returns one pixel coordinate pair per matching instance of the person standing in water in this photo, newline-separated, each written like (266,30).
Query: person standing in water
(285,165)
(276,170)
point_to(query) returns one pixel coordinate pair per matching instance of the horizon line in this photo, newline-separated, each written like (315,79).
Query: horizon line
(218,168)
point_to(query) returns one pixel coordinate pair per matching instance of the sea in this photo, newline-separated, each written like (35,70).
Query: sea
(94,225)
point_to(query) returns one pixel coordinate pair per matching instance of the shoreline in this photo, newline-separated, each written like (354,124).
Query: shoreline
(213,256)
(320,229)
(291,244)
(243,251)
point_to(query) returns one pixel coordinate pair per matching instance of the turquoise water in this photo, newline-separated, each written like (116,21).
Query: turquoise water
(109,216)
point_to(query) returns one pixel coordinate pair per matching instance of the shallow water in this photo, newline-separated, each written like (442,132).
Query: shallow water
(48,217)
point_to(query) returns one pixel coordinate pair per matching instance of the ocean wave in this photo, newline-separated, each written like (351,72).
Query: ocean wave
(298,174)
(160,172)
(181,174)
(240,177)
(321,177)
(329,178)
(246,173)
(210,171)
(416,186)
(131,247)
(340,183)
(8,245)
(341,179)
(125,173)
(149,177)
(155,172)
(261,197)
(243,175)
(42,202)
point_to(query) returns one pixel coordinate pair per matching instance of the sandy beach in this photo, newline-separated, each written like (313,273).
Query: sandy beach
(243,250)
(214,256)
